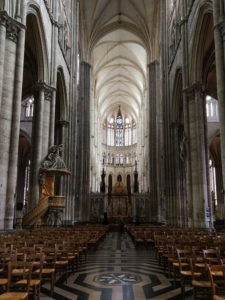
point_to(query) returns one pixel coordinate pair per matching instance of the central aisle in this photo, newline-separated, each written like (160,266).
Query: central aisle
(117,271)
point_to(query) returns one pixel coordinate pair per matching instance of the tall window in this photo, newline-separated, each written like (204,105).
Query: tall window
(26,185)
(119,131)
(110,133)
(212,177)
(212,109)
(134,135)
(128,132)
(29,107)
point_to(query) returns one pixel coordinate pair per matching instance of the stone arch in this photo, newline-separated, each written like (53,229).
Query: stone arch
(64,92)
(203,37)
(119,177)
(35,19)
(61,125)
(35,70)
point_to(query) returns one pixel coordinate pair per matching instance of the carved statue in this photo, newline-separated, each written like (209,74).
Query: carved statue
(53,160)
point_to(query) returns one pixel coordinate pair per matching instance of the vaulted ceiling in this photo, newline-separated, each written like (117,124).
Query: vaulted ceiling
(121,38)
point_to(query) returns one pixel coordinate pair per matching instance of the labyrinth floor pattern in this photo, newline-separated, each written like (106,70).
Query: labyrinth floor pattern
(117,271)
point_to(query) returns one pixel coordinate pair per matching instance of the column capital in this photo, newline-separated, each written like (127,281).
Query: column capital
(47,89)
(194,89)
(12,26)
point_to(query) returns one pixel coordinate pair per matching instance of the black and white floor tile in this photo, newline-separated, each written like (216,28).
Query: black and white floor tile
(117,271)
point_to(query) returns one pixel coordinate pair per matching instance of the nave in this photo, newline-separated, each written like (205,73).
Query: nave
(118,270)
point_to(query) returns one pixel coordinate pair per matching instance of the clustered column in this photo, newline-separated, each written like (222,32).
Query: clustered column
(198,195)
(12,37)
(155,209)
(40,134)
(63,125)
(219,38)
(83,151)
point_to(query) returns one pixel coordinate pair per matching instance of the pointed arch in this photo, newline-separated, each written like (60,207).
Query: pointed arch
(202,42)
(39,40)
(62,93)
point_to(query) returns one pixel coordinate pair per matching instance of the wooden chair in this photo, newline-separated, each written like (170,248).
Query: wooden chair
(217,278)
(198,261)
(37,262)
(212,256)
(175,262)
(15,271)
(62,261)
(200,283)
(187,273)
(4,284)
(48,270)
(71,255)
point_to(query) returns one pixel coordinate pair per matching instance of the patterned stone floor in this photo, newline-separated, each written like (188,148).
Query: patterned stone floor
(117,271)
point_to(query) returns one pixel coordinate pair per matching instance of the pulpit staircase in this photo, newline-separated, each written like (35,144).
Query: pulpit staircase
(39,213)
(49,209)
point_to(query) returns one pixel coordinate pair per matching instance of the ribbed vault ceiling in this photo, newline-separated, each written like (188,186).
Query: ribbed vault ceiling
(119,69)
(120,39)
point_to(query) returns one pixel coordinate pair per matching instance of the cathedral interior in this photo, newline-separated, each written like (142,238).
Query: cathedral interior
(112,149)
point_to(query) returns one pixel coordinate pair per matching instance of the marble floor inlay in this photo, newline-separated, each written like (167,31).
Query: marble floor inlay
(117,279)
(117,271)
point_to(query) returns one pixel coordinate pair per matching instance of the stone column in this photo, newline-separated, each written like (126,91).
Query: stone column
(3,18)
(219,38)
(49,91)
(12,31)
(178,138)
(55,31)
(41,91)
(52,120)
(84,142)
(198,195)
(63,124)
(15,130)
(174,174)
(155,211)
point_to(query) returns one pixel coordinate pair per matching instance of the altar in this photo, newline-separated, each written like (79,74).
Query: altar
(119,203)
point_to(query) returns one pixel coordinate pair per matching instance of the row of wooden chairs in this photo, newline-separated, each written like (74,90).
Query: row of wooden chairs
(30,258)
(196,256)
